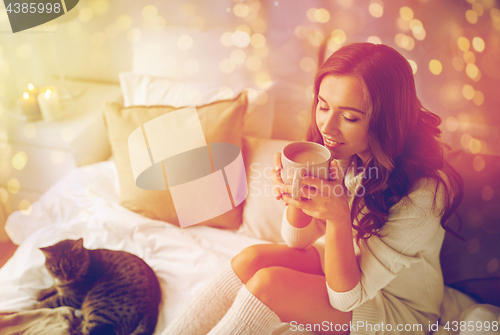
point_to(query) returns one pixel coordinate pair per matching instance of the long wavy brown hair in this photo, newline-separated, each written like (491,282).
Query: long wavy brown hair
(403,135)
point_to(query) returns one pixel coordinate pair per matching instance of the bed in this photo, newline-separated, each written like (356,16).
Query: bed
(101,203)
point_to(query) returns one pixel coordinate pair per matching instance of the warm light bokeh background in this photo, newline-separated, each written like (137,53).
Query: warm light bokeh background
(273,47)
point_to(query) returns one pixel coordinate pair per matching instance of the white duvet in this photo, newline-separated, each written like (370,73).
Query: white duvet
(85,204)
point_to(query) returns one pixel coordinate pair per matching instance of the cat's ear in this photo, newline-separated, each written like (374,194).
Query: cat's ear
(47,251)
(78,245)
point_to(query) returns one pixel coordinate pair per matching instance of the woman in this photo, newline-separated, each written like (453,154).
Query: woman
(365,261)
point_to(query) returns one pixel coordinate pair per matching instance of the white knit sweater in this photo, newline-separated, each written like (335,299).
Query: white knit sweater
(401,280)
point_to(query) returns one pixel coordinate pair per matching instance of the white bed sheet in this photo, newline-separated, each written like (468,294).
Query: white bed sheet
(85,204)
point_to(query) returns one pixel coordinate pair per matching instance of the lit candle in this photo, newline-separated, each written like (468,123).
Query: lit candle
(32,90)
(48,100)
(29,106)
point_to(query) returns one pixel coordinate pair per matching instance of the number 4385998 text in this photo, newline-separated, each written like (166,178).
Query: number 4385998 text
(33,8)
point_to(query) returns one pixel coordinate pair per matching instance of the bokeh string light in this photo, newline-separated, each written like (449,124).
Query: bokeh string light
(458,93)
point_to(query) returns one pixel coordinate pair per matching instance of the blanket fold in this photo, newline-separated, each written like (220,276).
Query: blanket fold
(43,321)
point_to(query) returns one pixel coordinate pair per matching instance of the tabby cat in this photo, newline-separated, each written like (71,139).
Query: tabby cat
(117,292)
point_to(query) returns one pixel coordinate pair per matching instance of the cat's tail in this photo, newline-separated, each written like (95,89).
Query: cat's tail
(97,329)
(103,329)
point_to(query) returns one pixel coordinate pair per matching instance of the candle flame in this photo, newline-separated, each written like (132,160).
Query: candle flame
(31,86)
(26,95)
(47,95)
(48,91)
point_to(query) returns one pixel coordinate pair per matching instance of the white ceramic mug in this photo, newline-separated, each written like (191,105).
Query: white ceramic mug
(301,159)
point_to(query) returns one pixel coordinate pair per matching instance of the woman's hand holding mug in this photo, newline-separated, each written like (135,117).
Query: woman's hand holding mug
(316,197)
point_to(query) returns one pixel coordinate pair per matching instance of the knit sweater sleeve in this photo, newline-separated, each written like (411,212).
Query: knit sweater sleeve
(301,238)
(411,231)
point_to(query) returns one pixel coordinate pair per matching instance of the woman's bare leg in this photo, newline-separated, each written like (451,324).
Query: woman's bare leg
(298,298)
(260,256)
(292,284)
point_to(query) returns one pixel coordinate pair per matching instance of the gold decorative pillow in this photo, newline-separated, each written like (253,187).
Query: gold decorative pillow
(221,121)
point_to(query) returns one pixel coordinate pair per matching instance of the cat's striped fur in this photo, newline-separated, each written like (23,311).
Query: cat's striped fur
(117,292)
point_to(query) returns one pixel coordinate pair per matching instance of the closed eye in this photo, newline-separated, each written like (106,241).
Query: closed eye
(349,120)
(323,108)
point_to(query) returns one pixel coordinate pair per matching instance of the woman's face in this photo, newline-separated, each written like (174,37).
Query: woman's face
(341,116)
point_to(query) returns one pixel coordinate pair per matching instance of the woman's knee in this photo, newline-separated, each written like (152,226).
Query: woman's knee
(249,261)
(265,283)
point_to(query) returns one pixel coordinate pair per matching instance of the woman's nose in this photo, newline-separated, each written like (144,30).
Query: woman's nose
(330,125)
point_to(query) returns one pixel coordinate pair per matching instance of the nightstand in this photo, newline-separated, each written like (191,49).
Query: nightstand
(35,155)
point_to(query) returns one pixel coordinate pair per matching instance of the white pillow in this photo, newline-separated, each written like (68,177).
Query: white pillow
(262,213)
(145,90)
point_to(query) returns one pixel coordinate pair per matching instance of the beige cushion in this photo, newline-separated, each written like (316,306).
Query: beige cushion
(262,213)
(144,90)
(222,121)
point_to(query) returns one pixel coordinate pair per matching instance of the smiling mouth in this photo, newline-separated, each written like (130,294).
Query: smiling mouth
(331,143)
